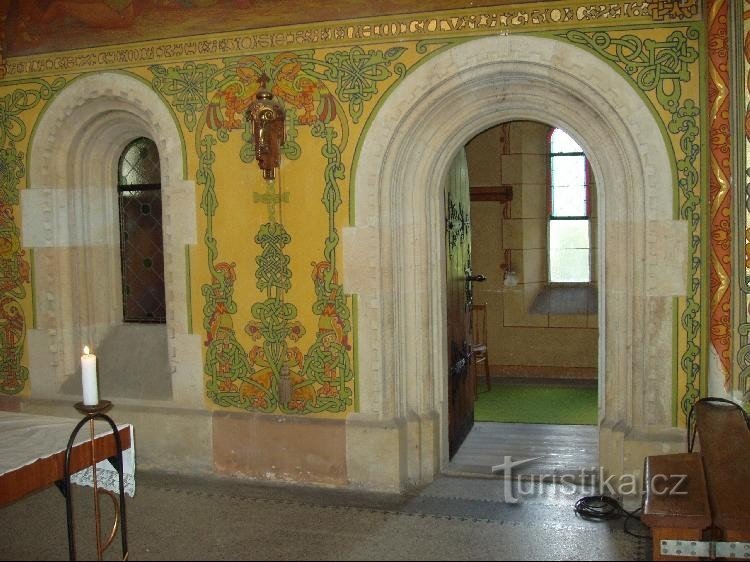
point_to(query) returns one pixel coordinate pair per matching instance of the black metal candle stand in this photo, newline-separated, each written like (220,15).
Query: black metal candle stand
(90,414)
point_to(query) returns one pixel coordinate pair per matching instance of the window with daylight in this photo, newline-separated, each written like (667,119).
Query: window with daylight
(141,239)
(569,249)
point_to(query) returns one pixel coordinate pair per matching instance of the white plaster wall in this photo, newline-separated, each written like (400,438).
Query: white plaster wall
(394,253)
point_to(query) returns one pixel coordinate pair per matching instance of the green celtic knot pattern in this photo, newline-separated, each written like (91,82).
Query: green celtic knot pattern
(662,67)
(11,173)
(273,266)
(275,374)
(357,73)
(15,270)
(188,87)
(654,65)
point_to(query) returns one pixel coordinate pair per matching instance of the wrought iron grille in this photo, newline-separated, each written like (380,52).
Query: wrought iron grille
(141,240)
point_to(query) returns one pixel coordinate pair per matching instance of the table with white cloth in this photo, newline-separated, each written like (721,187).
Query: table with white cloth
(33,449)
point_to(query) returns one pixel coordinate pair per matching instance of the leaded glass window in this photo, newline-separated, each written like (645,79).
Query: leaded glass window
(141,240)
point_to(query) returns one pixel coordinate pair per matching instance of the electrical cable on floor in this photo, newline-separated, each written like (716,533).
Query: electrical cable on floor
(605,508)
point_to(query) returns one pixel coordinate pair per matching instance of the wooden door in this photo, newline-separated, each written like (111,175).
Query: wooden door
(458,272)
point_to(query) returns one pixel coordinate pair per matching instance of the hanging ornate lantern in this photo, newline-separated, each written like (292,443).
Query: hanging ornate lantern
(266,117)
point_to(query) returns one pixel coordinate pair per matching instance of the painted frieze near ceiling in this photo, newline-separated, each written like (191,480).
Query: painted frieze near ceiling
(50,25)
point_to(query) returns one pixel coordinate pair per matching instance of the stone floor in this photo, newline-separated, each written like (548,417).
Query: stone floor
(178,517)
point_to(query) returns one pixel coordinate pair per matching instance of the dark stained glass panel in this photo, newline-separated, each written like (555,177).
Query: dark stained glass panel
(141,240)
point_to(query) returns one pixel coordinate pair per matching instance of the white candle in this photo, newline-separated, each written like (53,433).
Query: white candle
(88,378)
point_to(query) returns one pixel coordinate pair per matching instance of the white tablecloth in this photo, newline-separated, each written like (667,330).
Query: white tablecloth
(25,438)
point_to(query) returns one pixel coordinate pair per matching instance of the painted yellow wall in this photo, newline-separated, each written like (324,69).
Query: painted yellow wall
(348,67)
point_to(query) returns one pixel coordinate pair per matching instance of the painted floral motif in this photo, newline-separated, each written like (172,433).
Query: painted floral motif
(275,374)
(720,190)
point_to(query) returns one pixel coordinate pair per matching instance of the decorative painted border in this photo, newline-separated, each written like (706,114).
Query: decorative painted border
(666,10)
(456,23)
(743,230)
(720,193)
(15,268)
(661,70)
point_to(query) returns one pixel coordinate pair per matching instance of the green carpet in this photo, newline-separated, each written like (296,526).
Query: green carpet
(537,403)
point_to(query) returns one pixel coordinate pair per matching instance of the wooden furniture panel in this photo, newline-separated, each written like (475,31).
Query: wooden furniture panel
(681,516)
(724,439)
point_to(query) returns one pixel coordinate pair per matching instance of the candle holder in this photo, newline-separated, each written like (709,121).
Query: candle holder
(90,414)
(100,408)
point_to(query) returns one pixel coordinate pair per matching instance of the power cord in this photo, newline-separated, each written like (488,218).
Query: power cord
(605,508)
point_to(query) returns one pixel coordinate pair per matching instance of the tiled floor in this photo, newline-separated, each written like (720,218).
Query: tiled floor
(174,517)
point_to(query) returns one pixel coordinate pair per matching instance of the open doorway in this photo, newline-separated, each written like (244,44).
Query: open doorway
(394,254)
(533,235)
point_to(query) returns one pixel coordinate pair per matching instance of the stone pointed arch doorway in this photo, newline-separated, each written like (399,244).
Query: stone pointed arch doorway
(394,258)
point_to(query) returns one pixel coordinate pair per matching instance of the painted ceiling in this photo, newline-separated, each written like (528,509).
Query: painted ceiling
(42,26)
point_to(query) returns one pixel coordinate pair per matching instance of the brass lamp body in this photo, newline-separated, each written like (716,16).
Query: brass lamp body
(266,116)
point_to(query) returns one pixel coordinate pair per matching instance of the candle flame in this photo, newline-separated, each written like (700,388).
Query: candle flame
(85,350)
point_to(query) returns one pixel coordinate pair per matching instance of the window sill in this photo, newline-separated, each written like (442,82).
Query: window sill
(575,298)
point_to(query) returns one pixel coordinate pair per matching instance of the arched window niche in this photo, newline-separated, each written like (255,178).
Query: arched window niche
(70,214)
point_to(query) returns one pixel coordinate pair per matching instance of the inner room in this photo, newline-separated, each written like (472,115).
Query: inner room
(534,238)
